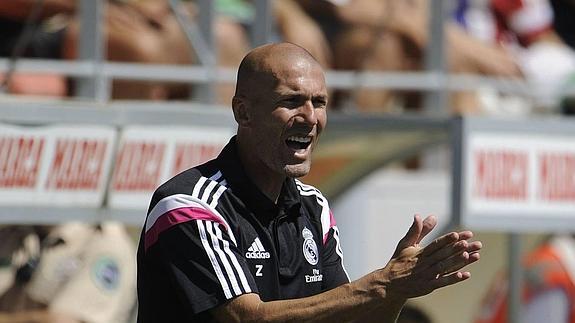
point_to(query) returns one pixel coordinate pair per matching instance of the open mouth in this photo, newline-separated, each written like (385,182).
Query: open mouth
(298,142)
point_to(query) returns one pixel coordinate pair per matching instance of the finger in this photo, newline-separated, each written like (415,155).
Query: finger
(440,243)
(456,263)
(428,224)
(446,260)
(412,235)
(473,257)
(451,279)
(465,235)
(448,251)
(474,246)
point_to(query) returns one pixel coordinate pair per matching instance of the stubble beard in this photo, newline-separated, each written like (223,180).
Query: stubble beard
(301,169)
(298,170)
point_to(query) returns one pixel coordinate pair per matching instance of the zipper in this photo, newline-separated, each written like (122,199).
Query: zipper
(276,222)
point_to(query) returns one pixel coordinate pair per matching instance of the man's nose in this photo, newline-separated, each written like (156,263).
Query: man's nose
(308,113)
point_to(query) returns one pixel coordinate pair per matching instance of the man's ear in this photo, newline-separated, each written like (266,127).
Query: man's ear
(241,113)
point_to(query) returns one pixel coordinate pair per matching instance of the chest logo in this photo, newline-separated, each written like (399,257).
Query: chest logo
(309,247)
(257,251)
(316,277)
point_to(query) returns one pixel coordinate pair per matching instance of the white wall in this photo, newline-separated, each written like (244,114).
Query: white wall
(377,212)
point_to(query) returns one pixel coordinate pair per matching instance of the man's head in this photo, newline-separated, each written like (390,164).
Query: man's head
(280,106)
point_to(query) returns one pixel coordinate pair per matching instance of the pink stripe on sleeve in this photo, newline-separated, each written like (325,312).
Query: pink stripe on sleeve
(331,220)
(177,216)
(332,224)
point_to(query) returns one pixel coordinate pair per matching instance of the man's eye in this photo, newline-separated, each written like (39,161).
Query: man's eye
(291,102)
(320,104)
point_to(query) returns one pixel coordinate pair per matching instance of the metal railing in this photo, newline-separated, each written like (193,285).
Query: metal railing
(94,74)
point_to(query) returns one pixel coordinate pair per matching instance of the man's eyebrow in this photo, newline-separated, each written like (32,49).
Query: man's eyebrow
(290,92)
(291,95)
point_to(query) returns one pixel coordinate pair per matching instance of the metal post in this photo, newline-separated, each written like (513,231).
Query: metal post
(436,101)
(206,20)
(203,48)
(206,92)
(457,134)
(261,31)
(515,278)
(91,46)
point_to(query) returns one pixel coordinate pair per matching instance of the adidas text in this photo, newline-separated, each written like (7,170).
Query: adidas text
(258,255)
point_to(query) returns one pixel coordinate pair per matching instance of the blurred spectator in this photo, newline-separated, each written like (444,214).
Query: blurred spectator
(19,244)
(136,31)
(68,273)
(526,28)
(146,31)
(231,39)
(548,288)
(296,26)
(374,35)
(292,24)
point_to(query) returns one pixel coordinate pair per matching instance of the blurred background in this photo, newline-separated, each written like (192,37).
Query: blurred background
(458,108)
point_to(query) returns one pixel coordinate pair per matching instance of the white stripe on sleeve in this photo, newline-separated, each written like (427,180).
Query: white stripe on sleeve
(217,195)
(216,176)
(234,260)
(182,200)
(213,260)
(208,191)
(198,187)
(223,258)
(338,250)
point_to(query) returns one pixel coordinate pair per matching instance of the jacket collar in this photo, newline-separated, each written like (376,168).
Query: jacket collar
(243,187)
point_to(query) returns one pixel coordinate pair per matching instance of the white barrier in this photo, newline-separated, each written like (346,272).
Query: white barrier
(80,171)
(515,176)
(55,165)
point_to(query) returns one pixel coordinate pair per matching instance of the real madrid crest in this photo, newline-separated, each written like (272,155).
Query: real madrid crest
(309,247)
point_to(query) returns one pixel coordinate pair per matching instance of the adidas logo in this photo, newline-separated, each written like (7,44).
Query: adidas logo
(257,250)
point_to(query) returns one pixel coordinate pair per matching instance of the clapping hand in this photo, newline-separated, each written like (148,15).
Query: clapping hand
(415,270)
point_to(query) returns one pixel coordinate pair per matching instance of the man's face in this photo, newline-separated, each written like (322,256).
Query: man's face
(288,115)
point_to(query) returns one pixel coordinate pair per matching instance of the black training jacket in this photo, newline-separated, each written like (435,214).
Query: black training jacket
(211,235)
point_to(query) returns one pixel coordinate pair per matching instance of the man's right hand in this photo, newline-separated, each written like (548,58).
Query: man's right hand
(379,296)
(416,271)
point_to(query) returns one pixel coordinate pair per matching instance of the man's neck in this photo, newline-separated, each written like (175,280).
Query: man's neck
(268,182)
(269,189)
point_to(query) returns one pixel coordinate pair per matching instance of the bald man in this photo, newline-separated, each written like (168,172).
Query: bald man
(240,239)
